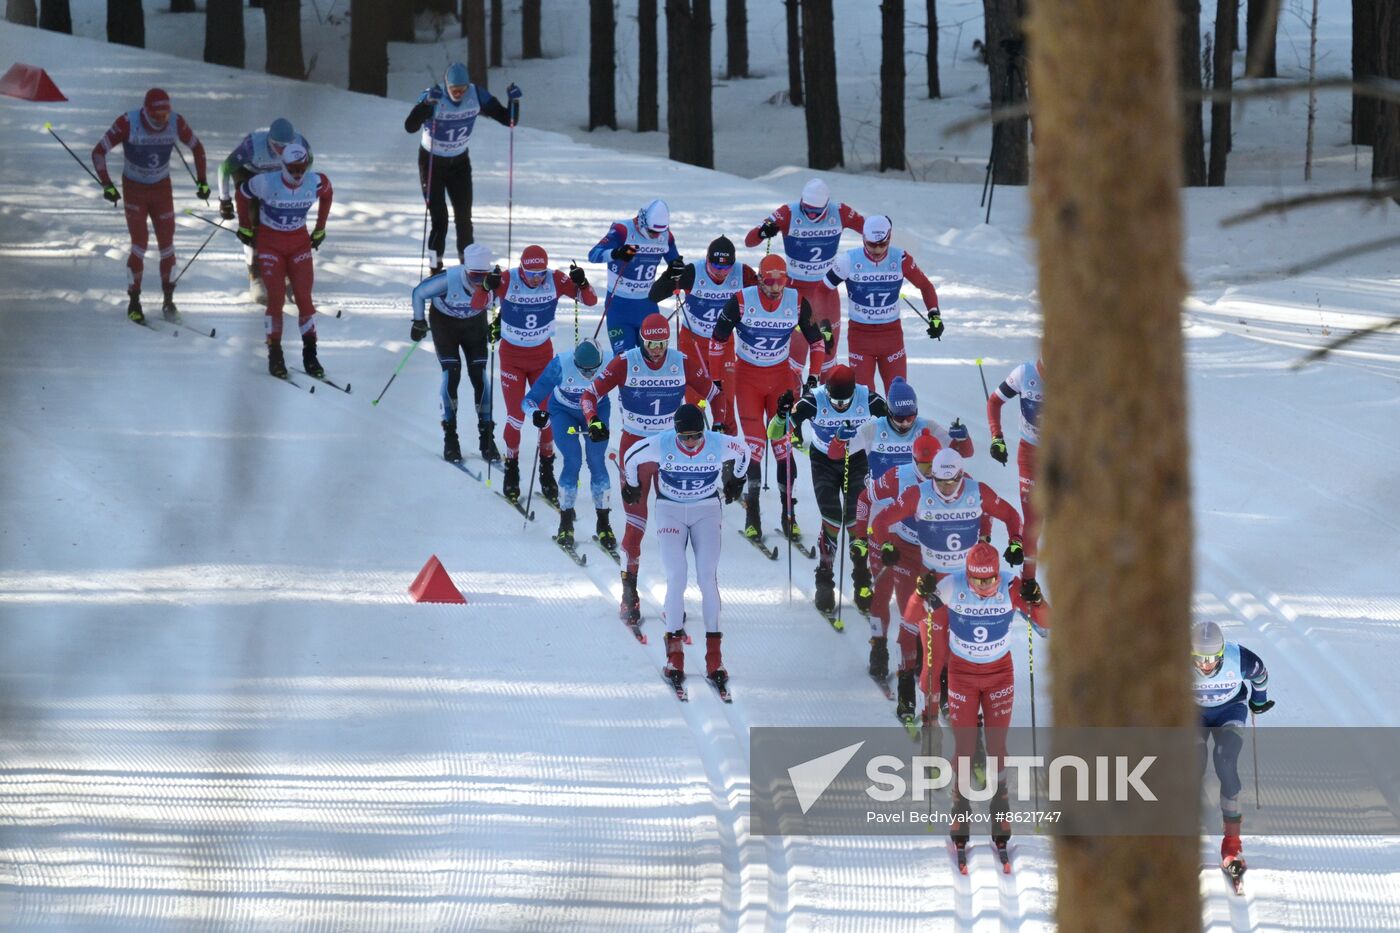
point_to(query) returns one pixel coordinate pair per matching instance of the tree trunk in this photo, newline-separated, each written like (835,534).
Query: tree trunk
(255,4)
(647,95)
(284,38)
(55,16)
(369,50)
(824,149)
(794,53)
(182,6)
(736,30)
(530,29)
(22,12)
(498,17)
(1261,38)
(398,21)
(1006,68)
(1364,63)
(689,124)
(1222,78)
(935,90)
(1193,137)
(892,85)
(223,33)
(1114,484)
(1385,153)
(126,23)
(602,38)
(474,28)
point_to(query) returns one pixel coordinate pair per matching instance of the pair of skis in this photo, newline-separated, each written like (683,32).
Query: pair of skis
(176,322)
(959,850)
(678,685)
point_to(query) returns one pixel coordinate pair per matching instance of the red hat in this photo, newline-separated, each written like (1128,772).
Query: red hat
(983,561)
(156,101)
(841,384)
(534,260)
(655,328)
(926,447)
(772,263)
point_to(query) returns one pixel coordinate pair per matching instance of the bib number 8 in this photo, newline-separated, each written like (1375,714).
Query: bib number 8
(531,320)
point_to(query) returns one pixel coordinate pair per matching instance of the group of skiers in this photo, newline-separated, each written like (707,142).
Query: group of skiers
(890,484)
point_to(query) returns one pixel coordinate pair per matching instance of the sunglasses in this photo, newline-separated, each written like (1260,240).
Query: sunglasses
(982,583)
(773,280)
(296,169)
(690,437)
(1204,661)
(532,278)
(948,482)
(903,423)
(652,345)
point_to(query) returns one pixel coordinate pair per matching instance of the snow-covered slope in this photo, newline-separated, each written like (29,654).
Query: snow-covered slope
(222,712)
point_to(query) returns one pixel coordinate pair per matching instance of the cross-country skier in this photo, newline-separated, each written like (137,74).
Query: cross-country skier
(706,288)
(836,411)
(1026,381)
(283,247)
(690,467)
(948,513)
(873,273)
(633,249)
(811,230)
(146,135)
(459,330)
(446,114)
(553,401)
(260,151)
(964,619)
(651,381)
(1230,682)
(529,297)
(762,319)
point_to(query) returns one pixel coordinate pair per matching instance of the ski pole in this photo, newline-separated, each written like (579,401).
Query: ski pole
(531,494)
(175,281)
(787,501)
(915,308)
(987,396)
(510,183)
(188,169)
(573,264)
(213,223)
(81,163)
(396,372)
(1030,666)
(607,302)
(841,536)
(1254,743)
(487,401)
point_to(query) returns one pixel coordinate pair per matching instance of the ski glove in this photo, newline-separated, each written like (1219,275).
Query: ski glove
(1030,592)
(733,488)
(624,253)
(492,280)
(889,554)
(811,383)
(860,550)
(769,229)
(927,588)
(418,331)
(676,268)
(836,450)
(998,449)
(576,275)
(1258,707)
(318,236)
(226,208)
(935,325)
(1014,553)
(493,332)
(785,402)
(828,337)
(245,236)
(540,418)
(513,92)
(631,494)
(201,190)
(957,431)
(597,431)
(109,191)
(435,93)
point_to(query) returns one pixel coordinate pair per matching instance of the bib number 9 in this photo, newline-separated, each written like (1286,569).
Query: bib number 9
(979,634)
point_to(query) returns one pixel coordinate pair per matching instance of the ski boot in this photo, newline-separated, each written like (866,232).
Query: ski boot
(604,531)
(631,608)
(486,437)
(1001,828)
(565,534)
(275,363)
(313,366)
(753,520)
(549,488)
(960,814)
(860,575)
(437,265)
(879,657)
(1232,848)
(510,486)
(826,590)
(675,658)
(789,521)
(906,699)
(451,449)
(133,307)
(167,306)
(714,663)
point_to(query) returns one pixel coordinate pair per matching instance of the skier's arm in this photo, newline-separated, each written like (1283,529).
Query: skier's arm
(1003,394)
(196,148)
(1038,612)
(750,277)
(324,195)
(543,386)
(840,271)
(483,295)
(864,435)
(246,197)
(566,287)
(851,219)
(493,108)
(903,508)
(887,486)
(610,378)
(696,382)
(666,284)
(808,327)
(229,167)
(426,290)
(729,317)
(672,253)
(114,137)
(736,452)
(602,252)
(637,455)
(780,219)
(879,408)
(994,506)
(915,277)
(1253,670)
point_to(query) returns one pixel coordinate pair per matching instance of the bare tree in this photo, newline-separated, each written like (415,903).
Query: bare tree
(1312,93)
(369,50)
(22,12)
(794,52)
(126,22)
(56,16)
(689,120)
(1385,152)
(1193,137)
(474,30)
(602,45)
(736,31)
(498,17)
(1261,38)
(1222,79)
(1114,476)
(819,78)
(223,33)
(648,106)
(284,38)
(530,29)
(892,85)
(182,6)
(935,90)
(398,20)
(1006,68)
(1364,63)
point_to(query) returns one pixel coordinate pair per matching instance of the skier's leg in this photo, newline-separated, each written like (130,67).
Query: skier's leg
(513,392)
(163,219)
(274,274)
(862,355)
(474,348)
(636,511)
(134,196)
(571,449)
(1030,527)
(599,482)
(705,519)
(459,188)
(445,331)
(301,273)
(430,178)
(671,537)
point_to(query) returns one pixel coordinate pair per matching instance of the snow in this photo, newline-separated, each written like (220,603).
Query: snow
(222,711)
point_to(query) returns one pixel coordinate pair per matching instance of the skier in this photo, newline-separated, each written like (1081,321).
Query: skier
(949,513)
(837,410)
(283,247)
(704,297)
(633,249)
(762,319)
(1230,679)
(146,135)
(965,619)
(446,114)
(651,381)
(260,151)
(529,296)
(873,273)
(811,237)
(553,401)
(689,465)
(1028,382)
(459,330)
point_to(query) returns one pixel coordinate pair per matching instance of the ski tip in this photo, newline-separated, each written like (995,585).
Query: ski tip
(313,390)
(213,331)
(337,312)
(347,388)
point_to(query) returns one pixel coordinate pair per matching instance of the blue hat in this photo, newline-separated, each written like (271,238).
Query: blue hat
(903,403)
(587,355)
(281,131)
(456,76)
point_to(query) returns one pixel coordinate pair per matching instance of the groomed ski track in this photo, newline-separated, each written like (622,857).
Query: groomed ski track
(223,713)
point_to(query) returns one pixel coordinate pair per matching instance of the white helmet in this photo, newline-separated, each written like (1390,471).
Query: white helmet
(656,217)
(947,464)
(877,229)
(477,258)
(816,194)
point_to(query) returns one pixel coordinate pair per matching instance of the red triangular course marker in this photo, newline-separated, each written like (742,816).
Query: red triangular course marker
(433,585)
(29,82)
